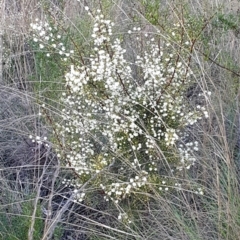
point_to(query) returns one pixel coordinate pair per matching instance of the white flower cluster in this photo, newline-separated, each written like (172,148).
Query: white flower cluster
(101,30)
(78,195)
(119,190)
(199,191)
(39,140)
(117,122)
(124,218)
(186,153)
(48,39)
(164,186)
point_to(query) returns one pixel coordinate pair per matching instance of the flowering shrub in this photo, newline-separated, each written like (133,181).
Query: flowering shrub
(124,131)
(48,39)
(52,56)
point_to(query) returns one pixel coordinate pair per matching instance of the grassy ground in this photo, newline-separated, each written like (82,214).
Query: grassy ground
(37,183)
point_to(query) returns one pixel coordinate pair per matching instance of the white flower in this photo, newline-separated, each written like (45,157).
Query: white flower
(42,33)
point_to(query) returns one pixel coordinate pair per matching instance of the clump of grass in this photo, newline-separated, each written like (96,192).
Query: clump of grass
(15,225)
